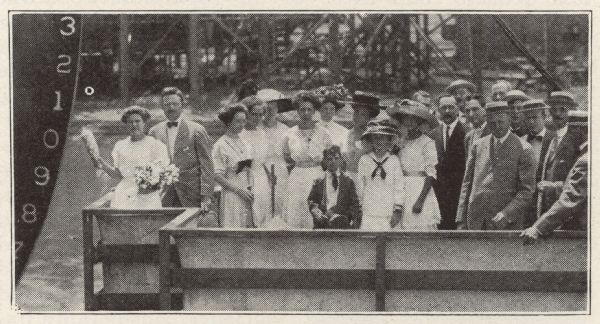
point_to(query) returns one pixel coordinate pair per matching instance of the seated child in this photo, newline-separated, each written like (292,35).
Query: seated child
(332,201)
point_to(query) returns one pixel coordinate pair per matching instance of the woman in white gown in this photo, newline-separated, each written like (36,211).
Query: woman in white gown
(418,158)
(303,149)
(137,150)
(272,148)
(255,135)
(232,158)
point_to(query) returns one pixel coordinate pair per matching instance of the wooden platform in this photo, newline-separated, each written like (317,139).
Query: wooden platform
(361,271)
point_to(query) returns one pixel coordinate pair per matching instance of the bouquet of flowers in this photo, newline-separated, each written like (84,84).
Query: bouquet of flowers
(87,136)
(154,176)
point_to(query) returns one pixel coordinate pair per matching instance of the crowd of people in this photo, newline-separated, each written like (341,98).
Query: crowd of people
(460,161)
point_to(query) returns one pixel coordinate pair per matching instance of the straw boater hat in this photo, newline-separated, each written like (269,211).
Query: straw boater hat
(460,84)
(496,107)
(407,107)
(561,98)
(501,86)
(514,95)
(271,95)
(383,127)
(533,105)
(578,118)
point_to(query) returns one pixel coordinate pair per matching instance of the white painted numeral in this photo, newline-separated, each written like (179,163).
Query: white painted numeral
(70,25)
(51,139)
(63,67)
(57,107)
(43,173)
(29,215)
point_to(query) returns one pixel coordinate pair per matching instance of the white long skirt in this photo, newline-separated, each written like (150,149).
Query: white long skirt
(126,196)
(429,216)
(300,183)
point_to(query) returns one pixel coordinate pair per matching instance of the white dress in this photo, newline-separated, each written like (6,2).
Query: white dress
(306,149)
(273,155)
(339,133)
(418,158)
(127,155)
(226,154)
(377,195)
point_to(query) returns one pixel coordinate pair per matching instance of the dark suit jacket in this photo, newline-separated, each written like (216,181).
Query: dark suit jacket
(450,170)
(347,202)
(503,183)
(566,154)
(570,210)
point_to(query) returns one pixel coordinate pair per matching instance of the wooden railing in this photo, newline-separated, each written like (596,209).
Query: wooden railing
(356,271)
(128,252)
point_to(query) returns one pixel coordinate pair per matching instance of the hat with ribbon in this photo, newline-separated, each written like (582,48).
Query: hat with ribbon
(561,98)
(383,127)
(496,107)
(271,95)
(533,105)
(460,84)
(360,98)
(578,118)
(514,95)
(407,107)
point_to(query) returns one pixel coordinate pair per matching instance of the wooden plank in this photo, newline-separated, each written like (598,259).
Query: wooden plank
(88,261)
(273,278)
(380,273)
(164,272)
(135,301)
(549,281)
(133,212)
(277,253)
(132,253)
(381,280)
(256,233)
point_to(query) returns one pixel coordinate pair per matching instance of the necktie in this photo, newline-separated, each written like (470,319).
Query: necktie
(378,167)
(334,181)
(172,124)
(531,138)
(447,138)
(550,155)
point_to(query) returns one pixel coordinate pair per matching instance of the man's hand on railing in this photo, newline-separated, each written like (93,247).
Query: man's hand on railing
(530,235)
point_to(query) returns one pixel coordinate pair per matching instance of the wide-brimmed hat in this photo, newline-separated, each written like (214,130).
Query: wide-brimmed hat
(578,118)
(473,103)
(365,99)
(496,107)
(271,95)
(407,107)
(514,95)
(383,127)
(561,98)
(460,84)
(533,105)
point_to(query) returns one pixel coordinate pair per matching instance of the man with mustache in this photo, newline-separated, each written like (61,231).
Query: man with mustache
(449,138)
(190,150)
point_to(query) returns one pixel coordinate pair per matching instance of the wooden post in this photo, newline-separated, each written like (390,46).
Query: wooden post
(427,55)
(380,282)
(475,25)
(88,262)
(124,58)
(405,67)
(263,47)
(545,36)
(164,271)
(196,84)
(335,58)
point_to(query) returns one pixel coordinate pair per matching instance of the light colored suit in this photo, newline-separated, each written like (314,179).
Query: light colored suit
(192,155)
(499,181)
